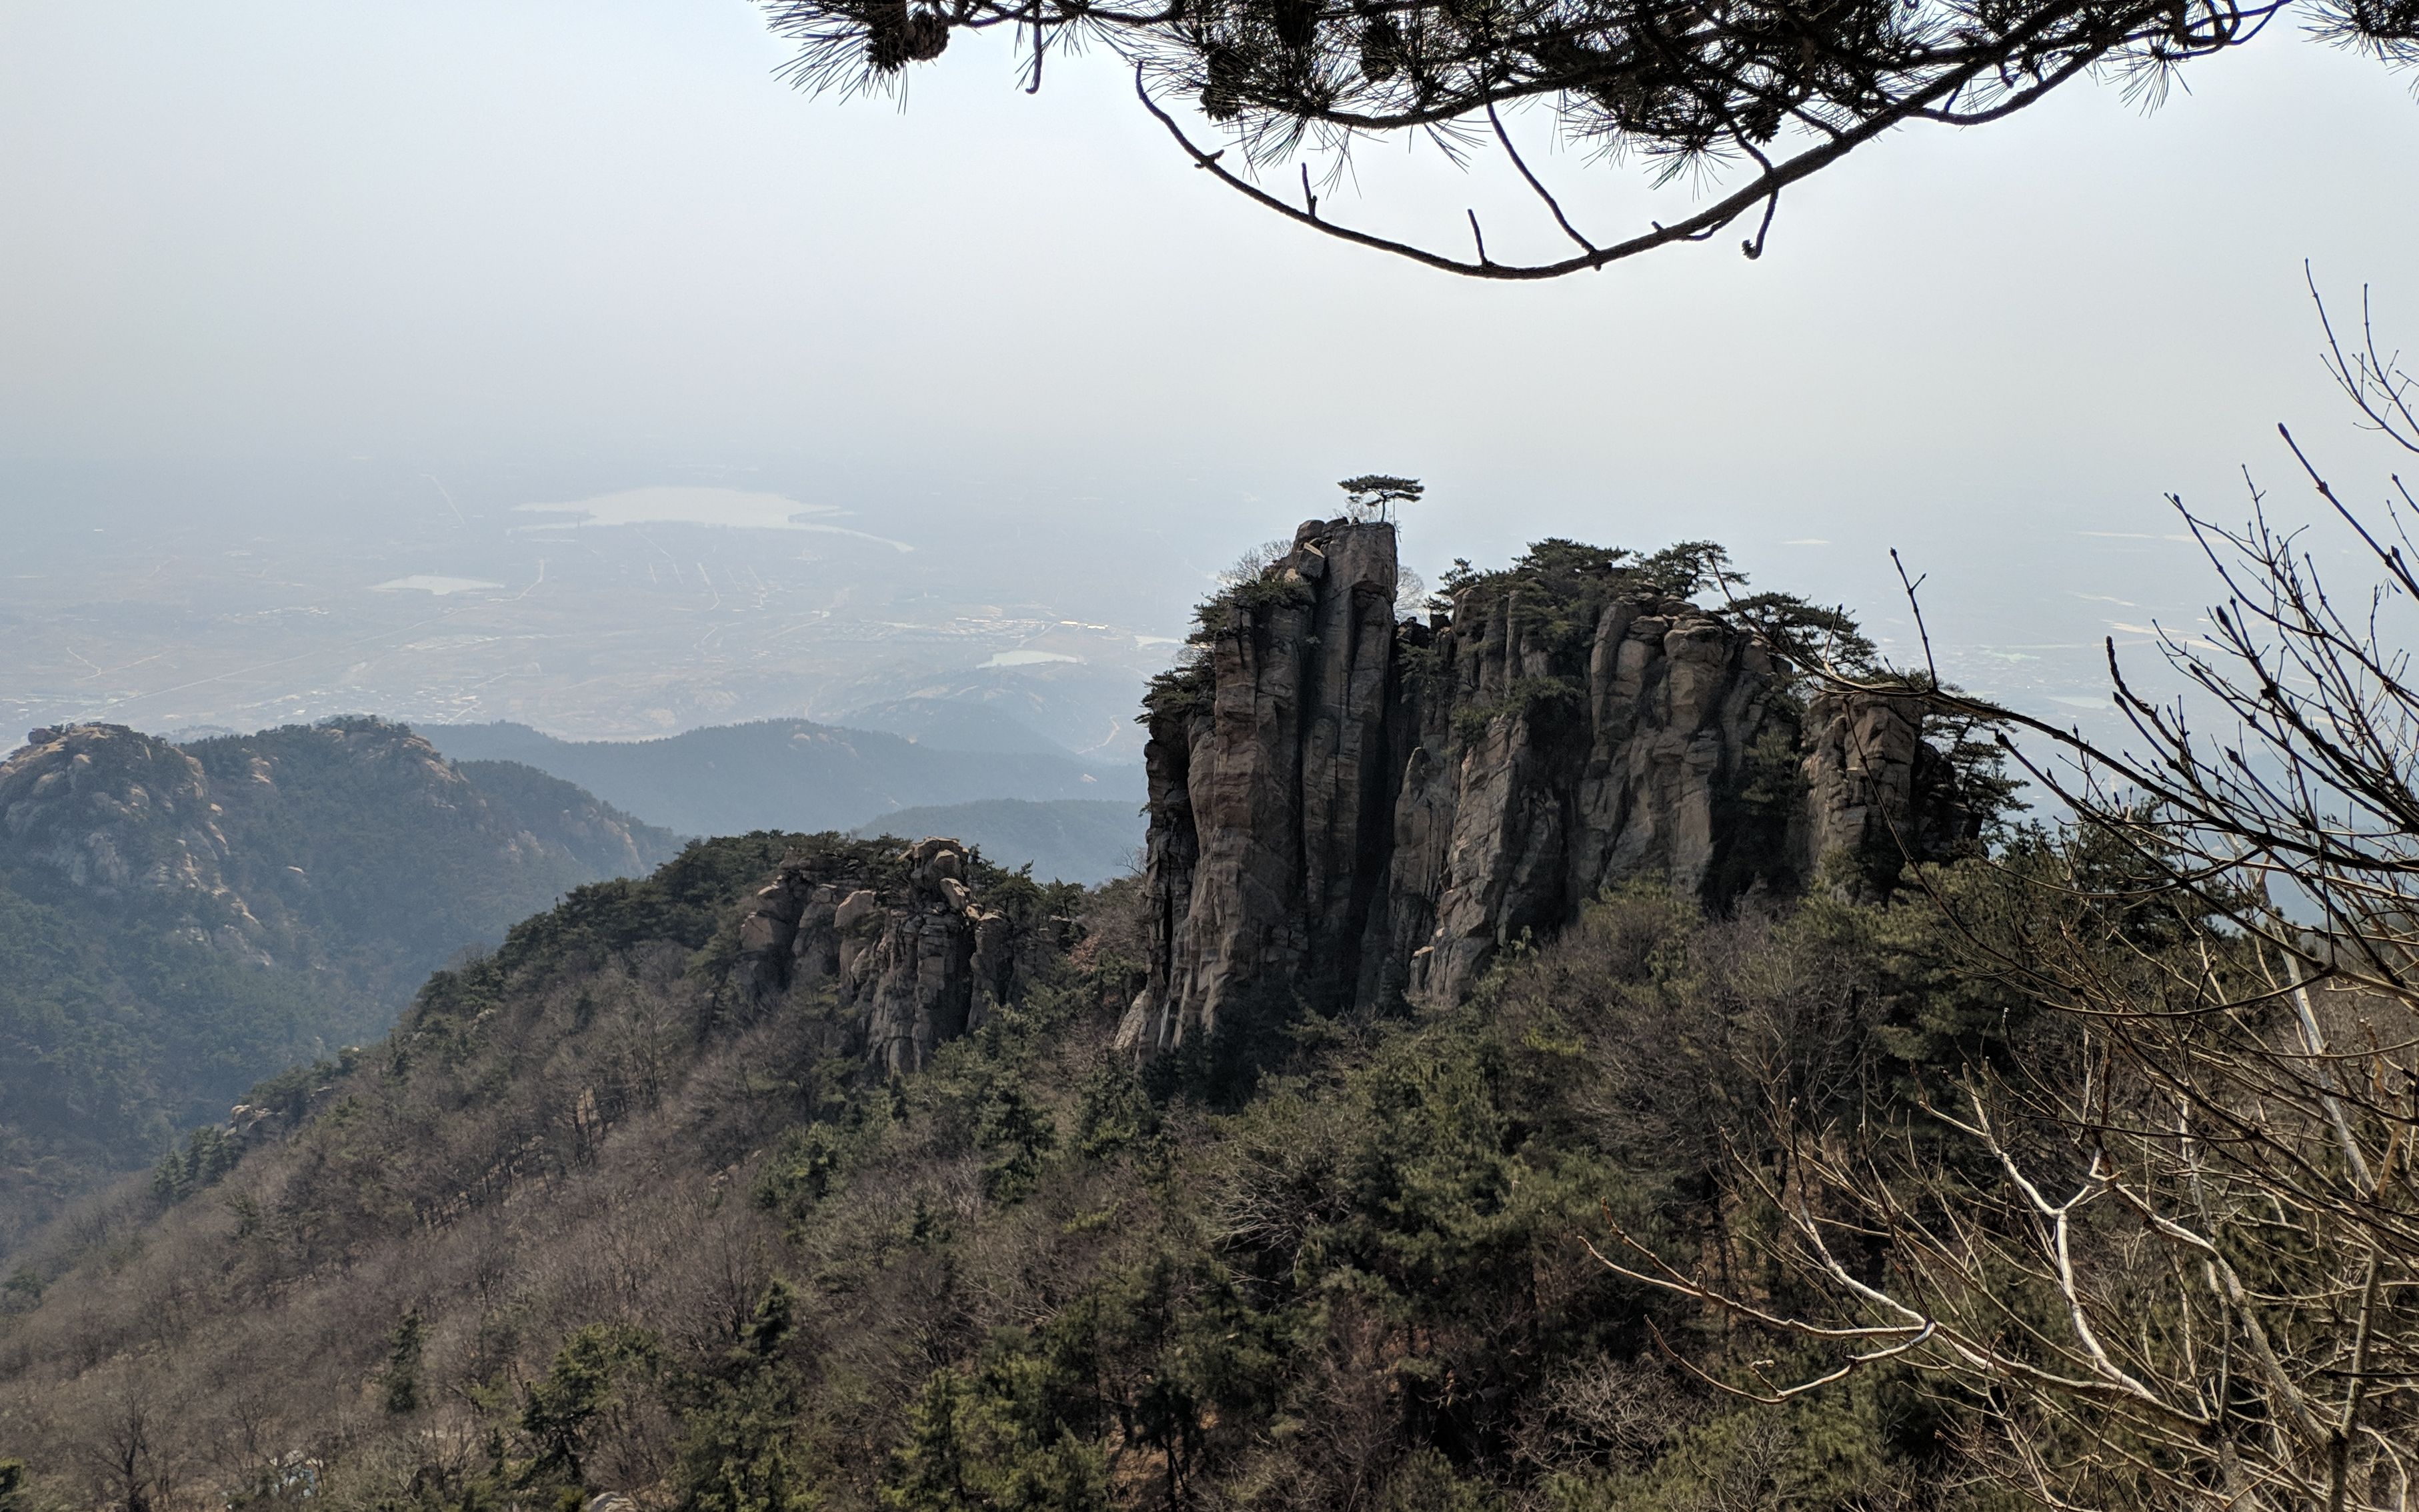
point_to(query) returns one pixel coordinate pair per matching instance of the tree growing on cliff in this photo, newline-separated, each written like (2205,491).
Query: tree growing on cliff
(1753,98)
(1372,494)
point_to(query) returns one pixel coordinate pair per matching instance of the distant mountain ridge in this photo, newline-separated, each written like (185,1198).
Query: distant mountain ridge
(1071,840)
(787,773)
(956,721)
(178,921)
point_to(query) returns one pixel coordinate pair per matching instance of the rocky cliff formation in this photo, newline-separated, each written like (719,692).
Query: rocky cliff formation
(912,959)
(1346,810)
(1876,790)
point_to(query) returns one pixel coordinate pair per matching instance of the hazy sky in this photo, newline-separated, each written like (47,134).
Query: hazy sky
(542,249)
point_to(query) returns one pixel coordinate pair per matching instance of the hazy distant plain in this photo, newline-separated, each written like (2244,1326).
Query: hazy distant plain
(682,607)
(642,613)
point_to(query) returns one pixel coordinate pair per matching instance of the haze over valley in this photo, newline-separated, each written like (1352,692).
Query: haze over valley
(642,613)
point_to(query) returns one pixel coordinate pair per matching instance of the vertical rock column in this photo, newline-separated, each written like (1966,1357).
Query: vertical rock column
(1633,769)
(1349,766)
(1271,806)
(1349,812)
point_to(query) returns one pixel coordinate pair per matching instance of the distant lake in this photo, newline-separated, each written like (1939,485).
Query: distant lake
(1028,658)
(731,508)
(424,582)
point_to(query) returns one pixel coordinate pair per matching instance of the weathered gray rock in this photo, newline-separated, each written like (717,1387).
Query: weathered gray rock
(912,965)
(1566,778)
(1271,800)
(1877,791)
(113,810)
(1344,810)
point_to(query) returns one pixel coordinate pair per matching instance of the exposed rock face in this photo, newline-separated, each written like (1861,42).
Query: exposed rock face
(913,960)
(1876,790)
(1567,777)
(1271,803)
(111,811)
(1347,811)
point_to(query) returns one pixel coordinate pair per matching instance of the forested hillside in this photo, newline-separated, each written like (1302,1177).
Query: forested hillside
(176,923)
(815,1171)
(590,1221)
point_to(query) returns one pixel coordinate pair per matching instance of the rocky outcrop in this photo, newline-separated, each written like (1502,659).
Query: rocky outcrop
(1632,754)
(1271,795)
(109,811)
(913,959)
(1348,811)
(1876,790)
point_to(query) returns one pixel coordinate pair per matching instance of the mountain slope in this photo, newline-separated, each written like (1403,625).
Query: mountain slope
(1073,840)
(602,1218)
(785,774)
(962,722)
(177,922)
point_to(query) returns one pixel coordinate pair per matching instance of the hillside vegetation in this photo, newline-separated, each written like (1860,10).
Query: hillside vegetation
(586,1222)
(176,923)
(2035,1167)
